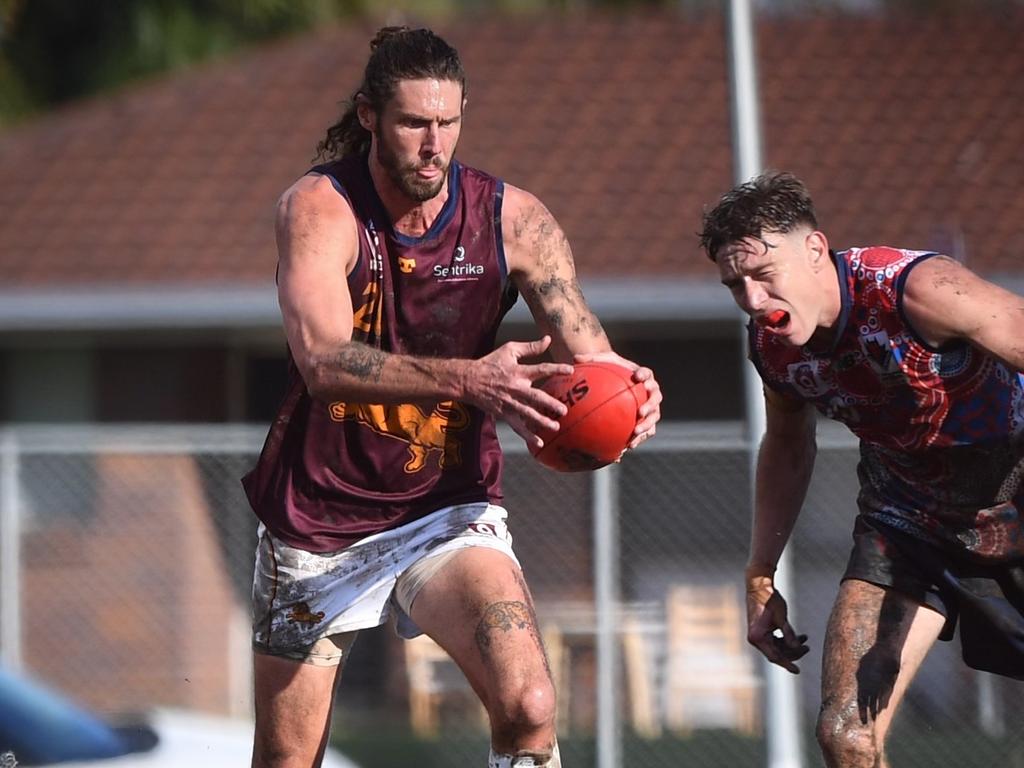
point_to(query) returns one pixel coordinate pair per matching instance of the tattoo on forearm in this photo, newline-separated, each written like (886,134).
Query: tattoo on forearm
(556,290)
(588,323)
(564,300)
(361,361)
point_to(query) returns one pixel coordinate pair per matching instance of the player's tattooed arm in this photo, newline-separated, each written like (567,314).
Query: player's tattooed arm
(318,243)
(541,264)
(356,372)
(359,360)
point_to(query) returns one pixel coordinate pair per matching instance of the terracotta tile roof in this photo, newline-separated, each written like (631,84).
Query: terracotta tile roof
(908,131)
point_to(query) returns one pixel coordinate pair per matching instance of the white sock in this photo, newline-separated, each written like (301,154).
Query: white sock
(525,760)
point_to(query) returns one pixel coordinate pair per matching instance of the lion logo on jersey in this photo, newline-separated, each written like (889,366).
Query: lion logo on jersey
(424,432)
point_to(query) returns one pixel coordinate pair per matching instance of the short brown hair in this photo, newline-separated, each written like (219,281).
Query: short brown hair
(775,201)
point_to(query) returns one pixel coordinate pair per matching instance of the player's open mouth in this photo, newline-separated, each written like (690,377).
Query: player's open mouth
(775,320)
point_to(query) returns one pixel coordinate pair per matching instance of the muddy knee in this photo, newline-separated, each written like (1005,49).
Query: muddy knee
(845,741)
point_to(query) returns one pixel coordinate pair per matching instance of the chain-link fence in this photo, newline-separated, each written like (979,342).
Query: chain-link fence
(126,564)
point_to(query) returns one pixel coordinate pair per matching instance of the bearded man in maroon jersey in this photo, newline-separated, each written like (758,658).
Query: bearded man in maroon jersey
(379,486)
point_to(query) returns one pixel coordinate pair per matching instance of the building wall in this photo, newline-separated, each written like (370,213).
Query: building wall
(49,383)
(136,377)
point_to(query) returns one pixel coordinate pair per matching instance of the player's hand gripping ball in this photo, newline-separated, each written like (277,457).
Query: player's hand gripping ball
(603,402)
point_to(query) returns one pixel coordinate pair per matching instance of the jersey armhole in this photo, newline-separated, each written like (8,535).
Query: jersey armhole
(509,292)
(901,282)
(499,240)
(340,189)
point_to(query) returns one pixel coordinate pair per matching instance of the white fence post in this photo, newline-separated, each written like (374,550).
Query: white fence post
(782,696)
(10,553)
(606,596)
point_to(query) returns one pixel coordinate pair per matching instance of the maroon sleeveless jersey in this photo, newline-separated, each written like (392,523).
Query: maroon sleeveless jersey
(334,472)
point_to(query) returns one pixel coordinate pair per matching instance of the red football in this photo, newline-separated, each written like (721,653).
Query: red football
(603,401)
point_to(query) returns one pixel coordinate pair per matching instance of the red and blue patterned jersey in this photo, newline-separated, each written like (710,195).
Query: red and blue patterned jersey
(941,429)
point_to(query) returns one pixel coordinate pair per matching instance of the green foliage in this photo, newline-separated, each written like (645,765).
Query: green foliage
(52,51)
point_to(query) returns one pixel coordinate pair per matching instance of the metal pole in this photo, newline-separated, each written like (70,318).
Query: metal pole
(606,597)
(990,716)
(782,705)
(746,110)
(10,554)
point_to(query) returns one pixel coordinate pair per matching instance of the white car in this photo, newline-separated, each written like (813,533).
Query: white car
(39,727)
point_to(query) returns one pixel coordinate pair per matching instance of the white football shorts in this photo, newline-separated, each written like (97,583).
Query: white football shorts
(307,606)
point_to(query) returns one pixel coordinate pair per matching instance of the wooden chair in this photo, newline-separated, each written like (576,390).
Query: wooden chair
(569,627)
(434,679)
(710,677)
(639,667)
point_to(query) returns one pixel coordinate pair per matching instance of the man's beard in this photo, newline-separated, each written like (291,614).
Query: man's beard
(404,176)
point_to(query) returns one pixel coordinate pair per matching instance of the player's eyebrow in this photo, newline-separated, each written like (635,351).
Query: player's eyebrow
(416,117)
(731,282)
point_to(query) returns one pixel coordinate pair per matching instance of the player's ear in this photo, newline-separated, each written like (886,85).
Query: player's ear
(817,249)
(367,115)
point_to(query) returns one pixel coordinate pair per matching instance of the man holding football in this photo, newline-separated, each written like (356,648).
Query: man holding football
(379,486)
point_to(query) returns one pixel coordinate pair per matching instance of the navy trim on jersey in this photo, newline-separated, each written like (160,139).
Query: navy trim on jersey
(900,287)
(323,170)
(443,219)
(337,185)
(845,299)
(499,240)
(509,291)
